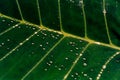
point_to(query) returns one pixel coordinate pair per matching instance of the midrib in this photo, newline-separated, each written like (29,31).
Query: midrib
(63,33)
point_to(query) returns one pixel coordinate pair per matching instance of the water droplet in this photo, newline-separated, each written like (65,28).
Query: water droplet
(3,43)
(85,74)
(38,35)
(76,48)
(72,75)
(47,42)
(11,21)
(27,39)
(17,49)
(43,48)
(90,78)
(35,32)
(8,48)
(20,43)
(76,73)
(33,43)
(84,64)
(77,54)
(45,69)
(80,54)
(33,28)
(19,27)
(104,11)
(84,58)
(81,1)
(3,20)
(51,62)
(40,45)
(8,39)
(91,69)
(66,58)
(71,50)
(104,66)
(59,69)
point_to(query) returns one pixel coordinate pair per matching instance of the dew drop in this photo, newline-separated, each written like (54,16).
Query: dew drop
(27,39)
(66,58)
(47,42)
(81,1)
(40,45)
(80,54)
(8,39)
(71,50)
(33,28)
(84,58)
(8,48)
(84,64)
(3,43)
(35,32)
(72,75)
(17,49)
(19,27)
(85,74)
(104,11)
(90,78)
(11,21)
(59,69)
(51,62)
(77,54)
(45,69)
(21,43)
(43,48)
(76,48)
(38,35)
(33,43)
(3,20)
(76,73)
(104,66)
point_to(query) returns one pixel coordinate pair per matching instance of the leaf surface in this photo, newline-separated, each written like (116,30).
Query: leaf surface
(59,40)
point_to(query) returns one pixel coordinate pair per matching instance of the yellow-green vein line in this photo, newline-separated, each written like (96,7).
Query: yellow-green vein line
(20,44)
(39,13)
(105,65)
(106,24)
(75,62)
(18,5)
(84,17)
(9,29)
(64,33)
(38,63)
(60,18)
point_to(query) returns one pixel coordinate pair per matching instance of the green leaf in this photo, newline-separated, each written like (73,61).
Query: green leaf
(59,40)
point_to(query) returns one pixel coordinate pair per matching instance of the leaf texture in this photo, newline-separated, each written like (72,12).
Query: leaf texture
(59,40)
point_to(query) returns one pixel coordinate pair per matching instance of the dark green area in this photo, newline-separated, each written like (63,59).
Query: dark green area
(26,56)
(6,23)
(14,37)
(10,8)
(49,14)
(29,10)
(58,61)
